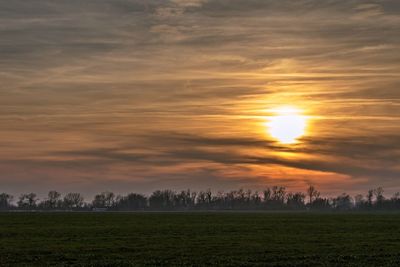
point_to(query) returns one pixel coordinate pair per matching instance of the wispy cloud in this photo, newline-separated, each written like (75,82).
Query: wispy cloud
(166,90)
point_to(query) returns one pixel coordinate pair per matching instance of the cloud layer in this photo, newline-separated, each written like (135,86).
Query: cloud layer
(136,95)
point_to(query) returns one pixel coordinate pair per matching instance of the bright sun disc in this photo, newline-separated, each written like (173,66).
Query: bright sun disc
(288,125)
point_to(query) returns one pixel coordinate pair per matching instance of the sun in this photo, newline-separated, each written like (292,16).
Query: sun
(287,124)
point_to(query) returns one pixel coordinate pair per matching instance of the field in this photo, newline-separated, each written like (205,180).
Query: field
(199,239)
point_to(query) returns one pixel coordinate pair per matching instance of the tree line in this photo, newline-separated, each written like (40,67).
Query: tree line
(274,198)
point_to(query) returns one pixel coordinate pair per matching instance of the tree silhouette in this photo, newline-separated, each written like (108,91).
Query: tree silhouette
(73,200)
(5,201)
(312,194)
(104,200)
(296,200)
(378,192)
(274,198)
(131,202)
(342,202)
(370,196)
(162,199)
(359,202)
(53,200)
(27,201)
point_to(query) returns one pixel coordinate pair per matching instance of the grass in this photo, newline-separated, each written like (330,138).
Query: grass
(199,239)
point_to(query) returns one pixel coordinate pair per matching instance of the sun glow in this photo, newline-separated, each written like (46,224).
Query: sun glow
(287,125)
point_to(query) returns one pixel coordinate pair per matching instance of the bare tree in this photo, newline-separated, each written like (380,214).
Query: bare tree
(109,199)
(342,202)
(312,194)
(53,199)
(267,195)
(278,194)
(5,201)
(73,200)
(370,196)
(395,200)
(131,202)
(201,199)
(295,200)
(104,200)
(378,192)
(209,196)
(185,199)
(27,201)
(99,201)
(360,203)
(276,198)
(255,199)
(162,199)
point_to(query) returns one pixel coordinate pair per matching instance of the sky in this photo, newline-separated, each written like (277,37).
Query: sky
(138,95)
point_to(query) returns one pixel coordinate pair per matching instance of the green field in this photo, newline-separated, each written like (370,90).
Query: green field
(199,239)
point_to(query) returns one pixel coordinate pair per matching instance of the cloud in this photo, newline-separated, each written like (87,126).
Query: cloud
(356,156)
(145,89)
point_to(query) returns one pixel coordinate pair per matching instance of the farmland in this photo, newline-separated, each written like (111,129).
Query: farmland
(199,239)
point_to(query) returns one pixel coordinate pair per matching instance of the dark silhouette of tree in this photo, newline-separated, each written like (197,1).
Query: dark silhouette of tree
(162,199)
(232,200)
(53,200)
(27,201)
(378,192)
(274,198)
(185,199)
(278,197)
(395,201)
(204,199)
(201,199)
(370,196)
(5,201)
(104,200)
(295,201)
(342,202)
(73,201)
(99,201)
(109,199)
(267,198)
(256,200)
(219,201)
(320,204)
(312,194)
(209,197)
(131,202)
(360,203)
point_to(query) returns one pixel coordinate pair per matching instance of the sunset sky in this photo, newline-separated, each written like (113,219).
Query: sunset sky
(138,95)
